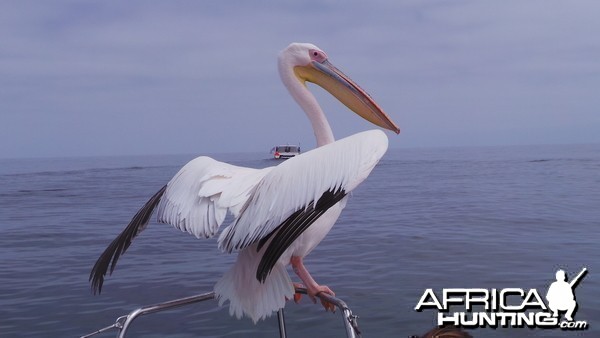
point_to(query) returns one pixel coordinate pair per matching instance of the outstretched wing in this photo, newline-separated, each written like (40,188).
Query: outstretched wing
(289,194)
(287,198)
(196,200)
(119,245)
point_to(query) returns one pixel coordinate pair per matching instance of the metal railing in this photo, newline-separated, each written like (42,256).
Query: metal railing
(123,323)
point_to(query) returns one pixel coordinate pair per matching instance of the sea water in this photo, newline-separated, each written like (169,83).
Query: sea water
(489,217)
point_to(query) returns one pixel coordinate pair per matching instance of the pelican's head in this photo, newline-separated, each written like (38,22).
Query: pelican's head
(310,63)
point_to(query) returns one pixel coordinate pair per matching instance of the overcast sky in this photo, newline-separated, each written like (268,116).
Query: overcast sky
(191,77)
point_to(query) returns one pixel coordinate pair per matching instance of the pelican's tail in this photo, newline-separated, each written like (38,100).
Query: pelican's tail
(246,295)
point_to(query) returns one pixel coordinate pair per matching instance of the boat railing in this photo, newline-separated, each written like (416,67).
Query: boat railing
(123,323)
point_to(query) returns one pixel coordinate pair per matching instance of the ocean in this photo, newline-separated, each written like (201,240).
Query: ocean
(472,217)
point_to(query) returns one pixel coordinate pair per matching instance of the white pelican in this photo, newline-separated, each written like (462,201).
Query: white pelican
(281,213)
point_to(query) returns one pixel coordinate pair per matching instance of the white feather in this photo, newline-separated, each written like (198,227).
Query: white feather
(302,180)
(198,197)
(246,295)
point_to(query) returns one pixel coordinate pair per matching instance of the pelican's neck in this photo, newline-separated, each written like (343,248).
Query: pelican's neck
(309,104)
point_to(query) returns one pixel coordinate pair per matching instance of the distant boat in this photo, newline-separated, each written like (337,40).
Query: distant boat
(285,151)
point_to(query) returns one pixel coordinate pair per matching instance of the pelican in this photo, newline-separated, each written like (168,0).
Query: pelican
(280,213)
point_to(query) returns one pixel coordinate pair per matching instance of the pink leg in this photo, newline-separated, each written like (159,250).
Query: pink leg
(312,287)
(297,296)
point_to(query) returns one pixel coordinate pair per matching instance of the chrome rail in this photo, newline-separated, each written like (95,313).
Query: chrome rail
(350,319)
(123,323)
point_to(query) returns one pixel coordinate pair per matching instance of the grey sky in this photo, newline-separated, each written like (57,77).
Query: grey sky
(157,77)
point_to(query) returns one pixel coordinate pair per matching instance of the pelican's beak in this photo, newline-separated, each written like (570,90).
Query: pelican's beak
(344,89)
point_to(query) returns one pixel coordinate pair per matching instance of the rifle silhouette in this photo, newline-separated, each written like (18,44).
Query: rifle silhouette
(578,278)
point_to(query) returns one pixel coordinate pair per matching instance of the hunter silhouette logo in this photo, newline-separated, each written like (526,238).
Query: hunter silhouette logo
(560,294)
(508,307)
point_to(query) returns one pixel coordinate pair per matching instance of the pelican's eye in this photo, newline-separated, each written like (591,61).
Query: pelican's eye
(317,55)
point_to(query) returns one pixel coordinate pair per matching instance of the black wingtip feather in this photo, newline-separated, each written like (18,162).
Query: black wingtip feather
(119,245)
(288,231)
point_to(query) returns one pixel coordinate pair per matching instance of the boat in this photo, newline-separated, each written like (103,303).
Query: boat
(285,151)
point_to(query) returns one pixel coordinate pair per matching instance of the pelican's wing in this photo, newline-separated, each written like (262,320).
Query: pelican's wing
(197,199)
(295,193)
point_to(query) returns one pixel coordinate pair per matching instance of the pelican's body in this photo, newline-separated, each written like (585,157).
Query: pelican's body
(281,213)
